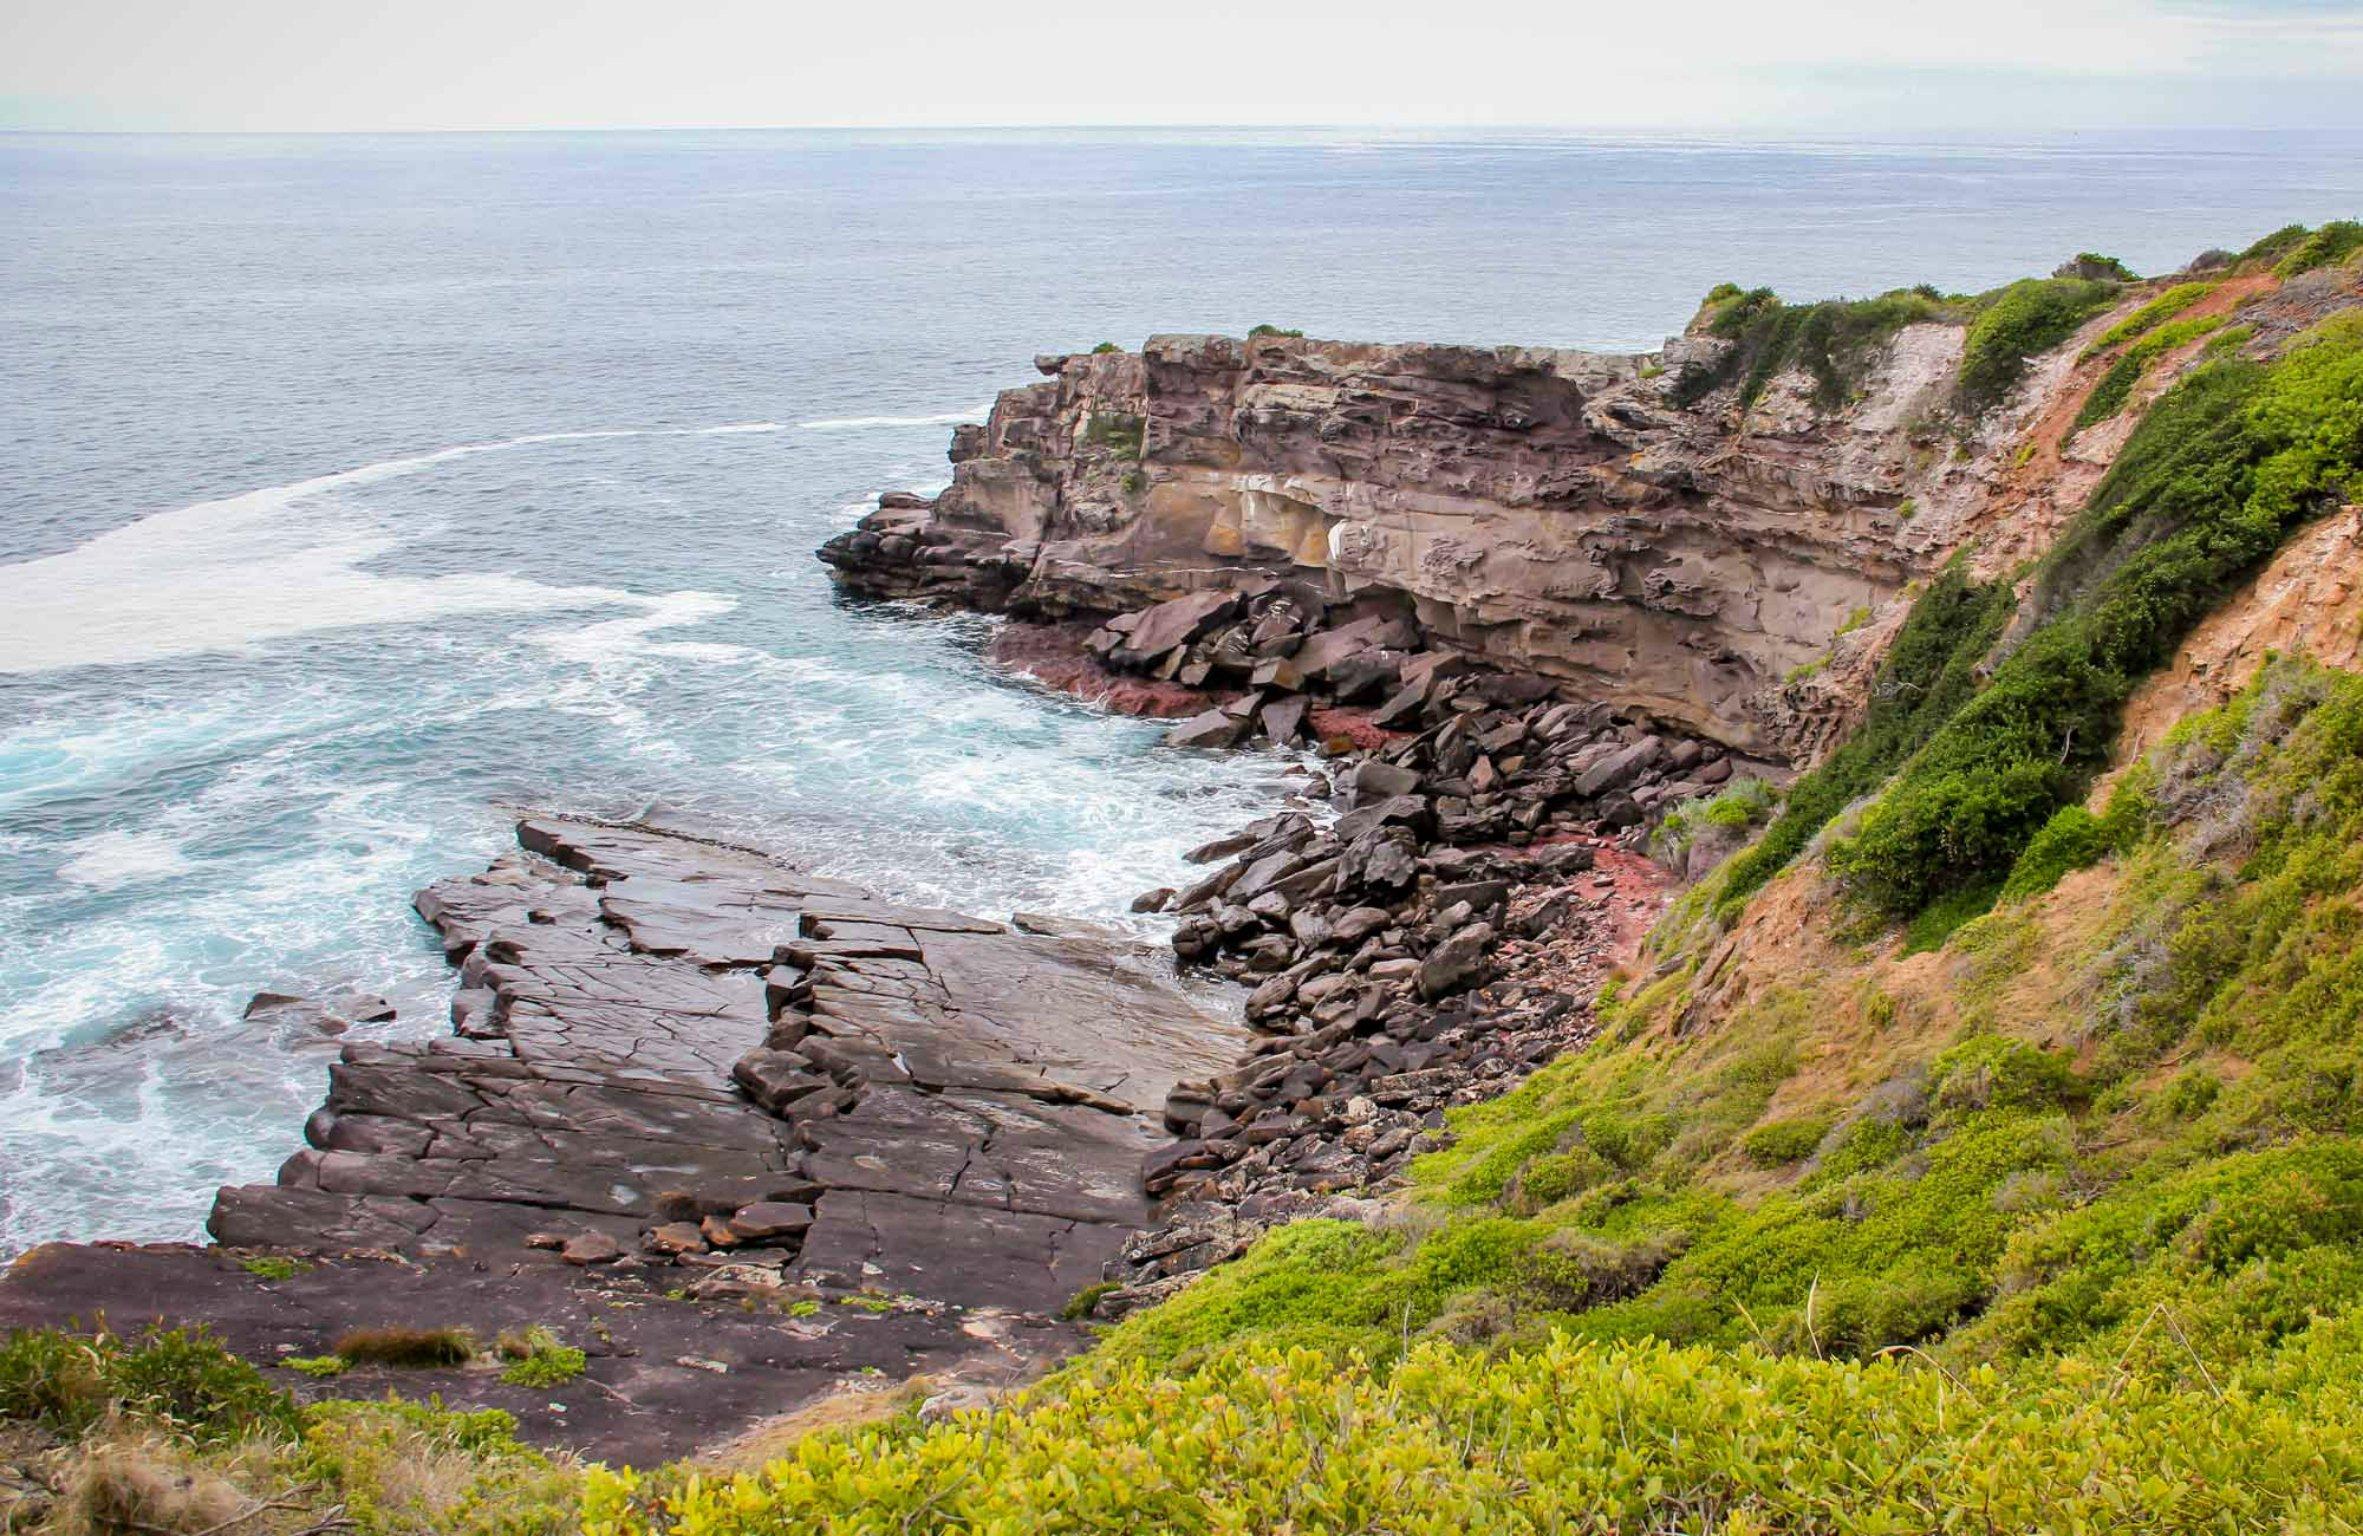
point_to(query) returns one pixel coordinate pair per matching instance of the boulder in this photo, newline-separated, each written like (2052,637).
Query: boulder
(1618,768)
(586,1248)
(767,1221)
(1456,961)
(1214,728)
(1374,779)
(1284,719)
(1165,626)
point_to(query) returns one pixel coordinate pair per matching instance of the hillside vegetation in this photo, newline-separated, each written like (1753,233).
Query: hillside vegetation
(1980,1148)
(2053,1225)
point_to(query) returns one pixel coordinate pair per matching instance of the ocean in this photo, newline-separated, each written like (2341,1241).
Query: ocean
(361,491)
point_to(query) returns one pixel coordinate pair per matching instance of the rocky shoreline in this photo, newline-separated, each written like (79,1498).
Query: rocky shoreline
(747,1136)
(752,1137)
(1432,942)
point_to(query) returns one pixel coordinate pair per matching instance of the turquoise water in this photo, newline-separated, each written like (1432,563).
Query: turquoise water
(360,491)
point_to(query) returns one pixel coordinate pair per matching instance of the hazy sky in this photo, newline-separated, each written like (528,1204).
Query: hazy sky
(1873,65)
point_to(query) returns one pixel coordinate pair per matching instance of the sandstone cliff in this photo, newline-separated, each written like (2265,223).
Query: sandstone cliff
(1554,510)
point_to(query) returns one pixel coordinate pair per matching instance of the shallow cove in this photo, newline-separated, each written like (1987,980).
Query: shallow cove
(393,483)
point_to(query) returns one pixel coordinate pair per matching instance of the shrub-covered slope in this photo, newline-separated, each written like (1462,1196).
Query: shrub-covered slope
(1980,1148)
(1972,1157)
(1852,1260)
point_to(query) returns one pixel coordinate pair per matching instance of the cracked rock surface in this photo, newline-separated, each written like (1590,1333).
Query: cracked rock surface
(891,1139)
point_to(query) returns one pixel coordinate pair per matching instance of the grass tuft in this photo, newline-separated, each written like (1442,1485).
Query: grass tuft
(411,1348)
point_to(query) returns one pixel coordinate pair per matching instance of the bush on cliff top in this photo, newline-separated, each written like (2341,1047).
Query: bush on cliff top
(2325,247)
(2013,325)
(1833,341)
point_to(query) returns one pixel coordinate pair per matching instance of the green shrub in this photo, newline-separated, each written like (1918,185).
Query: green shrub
(1834,341)
(1929,672)
(2151,315)
(1777,1143)
(2108,397)
(179,1378)
(1105,347)
(2219,470)
(2272,247)
(538,1358)
(2325,247)
(1271,330)
(1998,1072)
(1079,1305)
(2074,838)
(392,1468)
(2094,267)
(1744,803)
(318,1367)
(2030,316)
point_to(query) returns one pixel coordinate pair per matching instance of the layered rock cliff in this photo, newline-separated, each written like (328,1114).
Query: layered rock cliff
(1554,510)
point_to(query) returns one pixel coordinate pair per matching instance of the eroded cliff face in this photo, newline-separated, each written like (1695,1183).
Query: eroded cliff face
(1730,567)
(1549,509)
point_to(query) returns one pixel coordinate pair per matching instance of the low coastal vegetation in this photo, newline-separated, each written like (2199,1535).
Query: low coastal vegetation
(2223,467)
(1841,1263)
(1835,341)
(1968,1151)
(167,1432)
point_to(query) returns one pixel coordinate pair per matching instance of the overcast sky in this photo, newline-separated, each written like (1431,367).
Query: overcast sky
(1818,65)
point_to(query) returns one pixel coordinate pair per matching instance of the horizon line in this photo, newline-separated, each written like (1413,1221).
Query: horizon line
(1794,131)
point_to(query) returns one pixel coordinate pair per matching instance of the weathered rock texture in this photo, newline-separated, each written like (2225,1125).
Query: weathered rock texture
(873,1138)
(1550,510)
(698,1053)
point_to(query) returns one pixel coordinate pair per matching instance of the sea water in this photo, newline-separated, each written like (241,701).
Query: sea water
(361,492)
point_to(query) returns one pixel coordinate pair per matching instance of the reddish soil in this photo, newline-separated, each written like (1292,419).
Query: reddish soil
(1632,891)
(1330,721)
(1053,656)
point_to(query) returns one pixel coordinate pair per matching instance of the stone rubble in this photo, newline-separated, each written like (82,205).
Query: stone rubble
(1429,945)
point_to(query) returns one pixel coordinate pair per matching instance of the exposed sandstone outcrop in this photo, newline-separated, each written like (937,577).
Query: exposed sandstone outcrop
(1551,510)
(2309,599)
(741,1131)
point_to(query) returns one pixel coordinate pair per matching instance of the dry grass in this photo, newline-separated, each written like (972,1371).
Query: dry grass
(415,1348)
(851,1406)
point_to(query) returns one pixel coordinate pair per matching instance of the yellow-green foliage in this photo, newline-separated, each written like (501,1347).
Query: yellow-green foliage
(2151,315)
(539,1358)
(1834,341)
(1723,1287)
(168,1425)
(2108,397)
(1576,1437)
(2030,316)
(2219,471)
(2331,244)
(400,1468)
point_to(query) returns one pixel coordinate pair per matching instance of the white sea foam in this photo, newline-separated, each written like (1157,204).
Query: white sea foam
(262,565)
(852,423)
(113,859)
